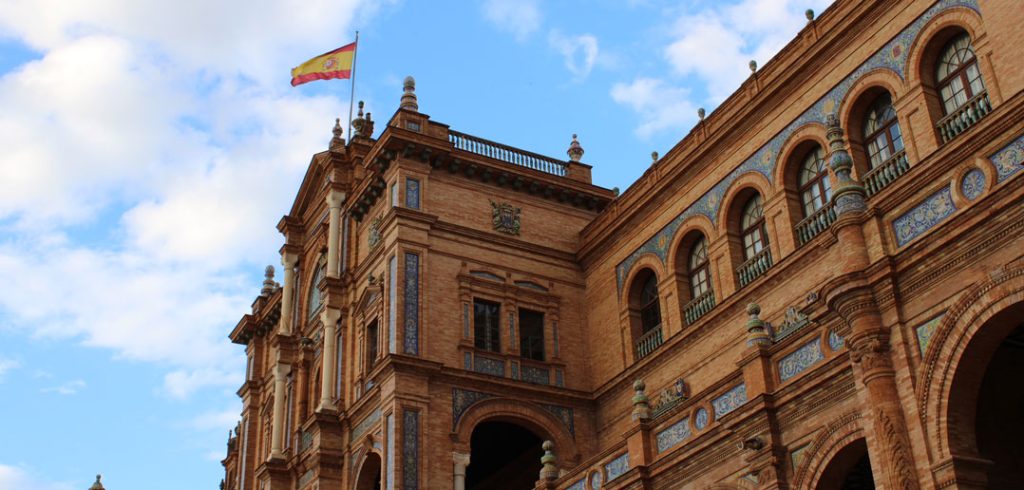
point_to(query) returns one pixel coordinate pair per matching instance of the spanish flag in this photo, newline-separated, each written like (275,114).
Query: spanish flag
(333,64)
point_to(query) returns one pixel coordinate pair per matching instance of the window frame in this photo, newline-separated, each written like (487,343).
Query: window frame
(652,304)
(960,73)
(757,226)
(814,156)
(490,340)
(699,274)
(526,347)
(882,130)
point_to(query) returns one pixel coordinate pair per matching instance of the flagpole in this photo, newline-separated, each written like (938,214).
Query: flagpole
(352,97)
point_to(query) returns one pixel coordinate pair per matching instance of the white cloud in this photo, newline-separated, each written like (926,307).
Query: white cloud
(69,388)
(717,43)
(6,366)
(521,18)
(15,477)
(661,107)
(183,383)
(580,52)
(219,420)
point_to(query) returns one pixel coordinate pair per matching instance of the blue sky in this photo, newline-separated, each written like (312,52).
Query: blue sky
(149,149)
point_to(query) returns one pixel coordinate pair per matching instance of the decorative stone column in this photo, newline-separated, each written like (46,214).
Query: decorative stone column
(461,461)
(641,404)
(277,429)
(334,200)
(850,295)
(288,260)
(329,317)
(549,470)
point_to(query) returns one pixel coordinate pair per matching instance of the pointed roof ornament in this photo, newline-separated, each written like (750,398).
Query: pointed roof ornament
(409,95)
(753,66)
(336,141)
(97,485)
(575,151)
(268,282)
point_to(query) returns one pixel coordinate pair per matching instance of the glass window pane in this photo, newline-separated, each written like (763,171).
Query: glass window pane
(531,334)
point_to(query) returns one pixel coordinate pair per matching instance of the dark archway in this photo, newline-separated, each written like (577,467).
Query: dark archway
(369,474)
(503,456)
(850,469)
(998,426)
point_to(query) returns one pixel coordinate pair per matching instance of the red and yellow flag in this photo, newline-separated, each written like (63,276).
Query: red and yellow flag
(333,64)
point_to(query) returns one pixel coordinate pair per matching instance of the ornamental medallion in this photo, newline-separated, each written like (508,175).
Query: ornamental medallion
(505,218)
(374,237)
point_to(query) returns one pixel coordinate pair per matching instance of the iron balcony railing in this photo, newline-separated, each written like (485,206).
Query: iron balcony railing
(816,223)
(753,268)
(883,175)
(964,117)
(698,306)
(648,342)
(505,153)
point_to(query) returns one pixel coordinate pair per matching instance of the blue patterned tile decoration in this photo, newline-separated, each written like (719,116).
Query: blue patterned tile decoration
(973,184)
(835,341)
(797,456)
(467,361)
(462,400)
(924,332)
(554,335)
(799,360)
(595,480)
(1009,159)
(559,378)
(616,467)
(487,365)
(536,375)
(364,425)
(514,366)
(411,343)
(412,193)
(700,419)
(730,400)
(580,485)
(306,478)
(392,304)
(410,450)
(389,470)
(565,415)
(511,326)
(892,57)
(674,434)
(930,212)
(465,320)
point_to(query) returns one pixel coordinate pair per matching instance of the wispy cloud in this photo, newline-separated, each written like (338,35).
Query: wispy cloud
(15,477)
(661,107)
(6,366)
(521,18)
(580,52)
(69,388)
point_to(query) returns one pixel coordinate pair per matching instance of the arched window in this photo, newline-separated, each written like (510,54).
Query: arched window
(957,74)
(755,238)
(650,311)
(815,188)
(700,277)
(882,131)
(315,301)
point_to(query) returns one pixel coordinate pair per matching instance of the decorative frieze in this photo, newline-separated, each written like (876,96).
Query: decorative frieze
(794,320)
(799,360)
(487,365)
(924,332)
(563,414)
(835,341)
(700,418)
(1009,159)
(462,400)
(674,434)
(411,342)
(930,212)
(364,425)
(617,467)
(410,449)
(972,184)
(730,400)
(536,375)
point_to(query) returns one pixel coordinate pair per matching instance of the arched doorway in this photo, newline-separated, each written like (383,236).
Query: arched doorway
(503,456)
(369,473)
(985,403)
(850,469)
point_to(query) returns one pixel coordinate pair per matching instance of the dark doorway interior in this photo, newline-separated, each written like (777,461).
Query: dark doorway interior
(998,425)
(850,469)
(504,456)
(369,474)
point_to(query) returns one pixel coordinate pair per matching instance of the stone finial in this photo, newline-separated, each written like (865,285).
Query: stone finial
(757,334)
(97,485)
(641,404)
(753,66)
(359,122)
(549,471)
(368,126)
(654,157)
(336,141)
(809,13)
(700,113)
(575,151)
(615,191)
(409,95)
(848,195)
(268,281)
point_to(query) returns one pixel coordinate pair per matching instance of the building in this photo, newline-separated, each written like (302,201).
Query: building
(820,287)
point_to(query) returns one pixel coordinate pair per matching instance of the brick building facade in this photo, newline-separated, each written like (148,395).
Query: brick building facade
(820,286)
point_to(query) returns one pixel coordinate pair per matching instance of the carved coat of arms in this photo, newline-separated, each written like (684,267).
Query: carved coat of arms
(374,237)
(505,218)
